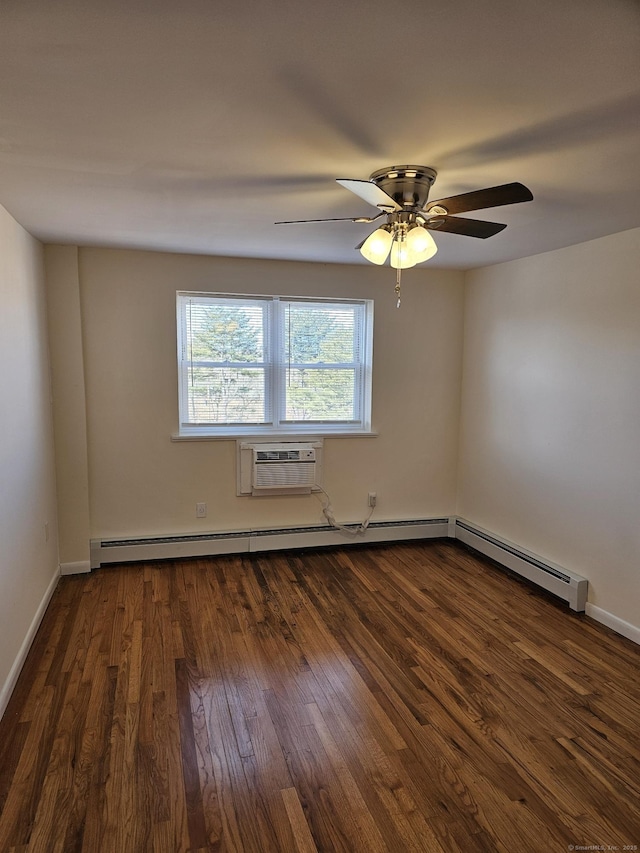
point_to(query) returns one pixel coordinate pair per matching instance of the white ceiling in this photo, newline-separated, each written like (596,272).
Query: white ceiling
(193,125)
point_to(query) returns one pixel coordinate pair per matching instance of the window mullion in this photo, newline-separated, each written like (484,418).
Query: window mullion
(273,355)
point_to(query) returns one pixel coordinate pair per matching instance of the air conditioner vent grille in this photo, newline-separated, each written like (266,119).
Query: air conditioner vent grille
(277,456)
(283,474)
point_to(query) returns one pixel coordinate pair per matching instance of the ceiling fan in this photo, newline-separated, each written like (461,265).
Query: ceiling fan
(401,194)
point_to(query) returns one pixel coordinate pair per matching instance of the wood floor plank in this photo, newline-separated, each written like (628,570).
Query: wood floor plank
(102,701)
(190,775)
(404,697)
(23,796)
(57,800)
(11,749)
(44,666)
(367,829)
(301,833)
(207,782)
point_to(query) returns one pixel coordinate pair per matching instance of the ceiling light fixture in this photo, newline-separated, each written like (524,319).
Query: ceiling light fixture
(404,240)
(377,246)
(401,193)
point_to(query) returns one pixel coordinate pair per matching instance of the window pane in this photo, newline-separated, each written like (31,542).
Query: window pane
(219,395)
(319,334)
(319,395)
(225,332)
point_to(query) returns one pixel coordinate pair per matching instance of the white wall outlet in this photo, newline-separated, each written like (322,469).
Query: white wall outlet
(201,510)
(373,498)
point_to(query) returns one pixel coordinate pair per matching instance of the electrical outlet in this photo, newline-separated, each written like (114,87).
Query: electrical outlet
(373,498)
(201,510)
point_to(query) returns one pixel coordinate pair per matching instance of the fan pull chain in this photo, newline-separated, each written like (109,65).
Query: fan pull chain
(397,287)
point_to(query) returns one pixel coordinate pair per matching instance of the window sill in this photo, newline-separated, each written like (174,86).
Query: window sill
(273,436)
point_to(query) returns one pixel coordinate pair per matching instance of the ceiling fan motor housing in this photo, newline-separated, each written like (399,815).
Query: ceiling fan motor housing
(407,185)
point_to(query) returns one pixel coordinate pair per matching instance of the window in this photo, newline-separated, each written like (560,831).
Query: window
(250,365)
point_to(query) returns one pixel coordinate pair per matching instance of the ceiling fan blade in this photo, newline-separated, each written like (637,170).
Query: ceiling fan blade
(466,227)
(337,219)
(480,199)
(371,193)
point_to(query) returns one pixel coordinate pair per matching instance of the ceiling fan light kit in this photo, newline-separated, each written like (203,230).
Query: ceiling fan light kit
(377,246)
(421,244)
(402,194)
(401,256)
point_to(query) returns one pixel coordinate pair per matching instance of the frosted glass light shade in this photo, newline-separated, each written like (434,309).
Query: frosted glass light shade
(421,244)
(376,247)
(401,256)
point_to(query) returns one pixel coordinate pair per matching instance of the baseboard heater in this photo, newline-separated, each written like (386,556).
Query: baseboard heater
(566,585)
(104,551)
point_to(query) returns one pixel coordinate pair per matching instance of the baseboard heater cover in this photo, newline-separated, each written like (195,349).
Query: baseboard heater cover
(567,585)
(105,551)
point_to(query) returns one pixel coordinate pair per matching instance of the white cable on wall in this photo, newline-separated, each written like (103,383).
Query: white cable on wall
(327,511)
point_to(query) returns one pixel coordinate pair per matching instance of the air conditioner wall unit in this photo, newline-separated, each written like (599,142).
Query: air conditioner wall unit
(279,468)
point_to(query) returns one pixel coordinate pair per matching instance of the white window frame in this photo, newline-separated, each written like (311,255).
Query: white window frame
(276,364)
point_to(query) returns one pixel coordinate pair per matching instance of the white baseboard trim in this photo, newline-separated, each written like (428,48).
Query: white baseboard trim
(626,629)
(79,568)
(16,669)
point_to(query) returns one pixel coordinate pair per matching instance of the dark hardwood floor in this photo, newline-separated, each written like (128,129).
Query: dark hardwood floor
(396,698)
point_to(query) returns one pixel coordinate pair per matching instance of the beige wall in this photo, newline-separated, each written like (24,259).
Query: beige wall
(140,482)
(69,405)
(550,438)
(28,560)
